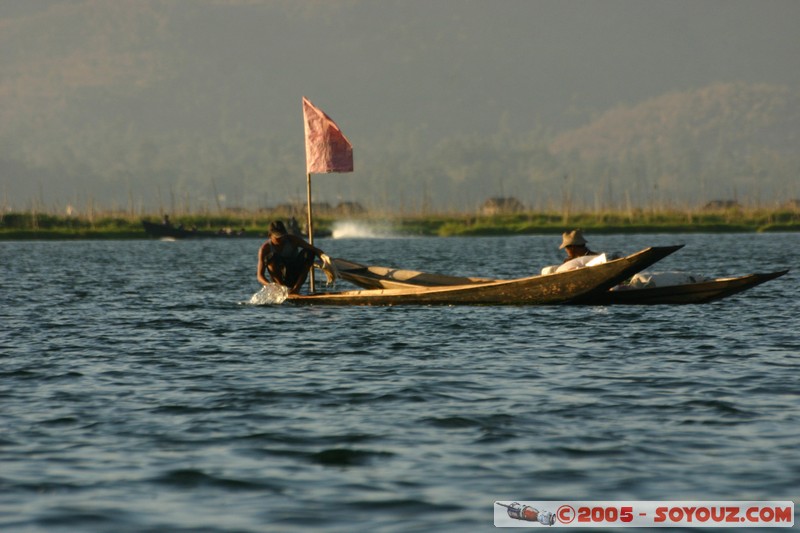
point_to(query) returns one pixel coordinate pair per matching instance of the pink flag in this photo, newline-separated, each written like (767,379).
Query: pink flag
(327,149)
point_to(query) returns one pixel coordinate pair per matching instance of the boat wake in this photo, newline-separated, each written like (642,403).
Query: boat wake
(271,294)
(359,230)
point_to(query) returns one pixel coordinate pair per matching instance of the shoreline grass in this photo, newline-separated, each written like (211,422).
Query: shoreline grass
(112,225)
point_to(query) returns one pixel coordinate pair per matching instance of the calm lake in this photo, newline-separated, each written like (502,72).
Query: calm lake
(139,392)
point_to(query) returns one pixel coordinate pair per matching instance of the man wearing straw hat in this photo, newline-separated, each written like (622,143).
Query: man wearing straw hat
(575,245)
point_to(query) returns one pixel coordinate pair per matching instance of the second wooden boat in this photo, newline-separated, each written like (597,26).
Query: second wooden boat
(688,293)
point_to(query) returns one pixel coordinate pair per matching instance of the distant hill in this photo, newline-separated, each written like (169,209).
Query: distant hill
(733,117)
(723,140)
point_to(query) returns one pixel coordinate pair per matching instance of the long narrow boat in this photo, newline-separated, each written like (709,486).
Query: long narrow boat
(168,231)
(688,293)
(535,290)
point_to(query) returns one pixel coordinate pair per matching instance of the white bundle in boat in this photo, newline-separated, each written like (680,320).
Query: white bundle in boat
(580,262)
(663,279)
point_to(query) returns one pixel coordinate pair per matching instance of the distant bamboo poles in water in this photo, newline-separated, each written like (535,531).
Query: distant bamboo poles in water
(712,218)
(566,210)
(568,204)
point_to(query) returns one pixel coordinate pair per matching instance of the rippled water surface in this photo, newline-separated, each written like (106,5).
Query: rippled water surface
(139,392)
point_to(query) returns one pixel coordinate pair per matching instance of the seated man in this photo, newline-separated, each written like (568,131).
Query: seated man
(287,257)
(575,245)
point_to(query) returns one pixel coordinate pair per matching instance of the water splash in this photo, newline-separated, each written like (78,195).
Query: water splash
(270,295)
(360,230)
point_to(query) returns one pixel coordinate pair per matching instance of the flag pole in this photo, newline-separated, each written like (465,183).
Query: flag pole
(327,150)
(310,226)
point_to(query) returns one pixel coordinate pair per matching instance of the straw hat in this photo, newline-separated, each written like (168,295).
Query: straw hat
(572,238)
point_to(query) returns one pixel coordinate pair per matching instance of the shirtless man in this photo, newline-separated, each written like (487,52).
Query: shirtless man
(288,258)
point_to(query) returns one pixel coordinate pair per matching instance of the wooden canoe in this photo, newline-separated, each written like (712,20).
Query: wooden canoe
(690,293)
(164,231)
(535,290)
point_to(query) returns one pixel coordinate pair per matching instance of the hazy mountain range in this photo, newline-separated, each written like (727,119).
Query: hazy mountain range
(144,104)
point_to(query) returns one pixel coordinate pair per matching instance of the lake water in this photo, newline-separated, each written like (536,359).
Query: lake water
(139,393)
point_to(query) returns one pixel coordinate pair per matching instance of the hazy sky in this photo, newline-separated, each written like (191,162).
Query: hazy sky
(382,68)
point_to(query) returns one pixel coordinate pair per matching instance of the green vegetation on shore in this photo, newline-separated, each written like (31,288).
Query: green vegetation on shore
(125,226)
